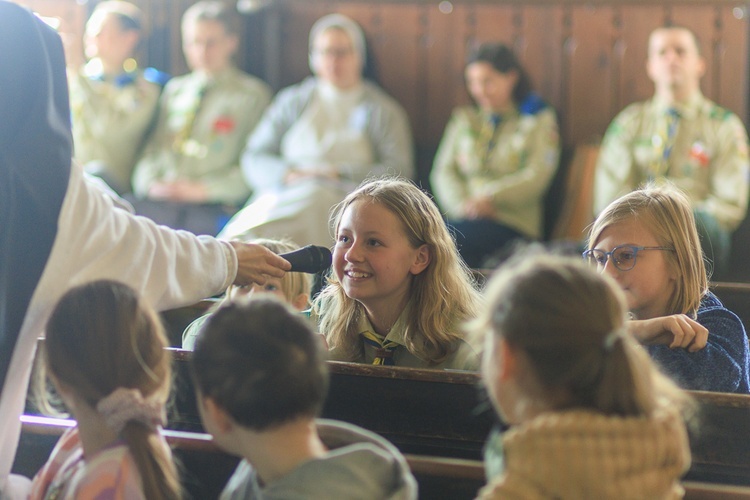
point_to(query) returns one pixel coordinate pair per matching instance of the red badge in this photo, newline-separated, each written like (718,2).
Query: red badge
(224,125)
(699,154)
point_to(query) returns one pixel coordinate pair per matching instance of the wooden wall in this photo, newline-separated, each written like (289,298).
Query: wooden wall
(587,59)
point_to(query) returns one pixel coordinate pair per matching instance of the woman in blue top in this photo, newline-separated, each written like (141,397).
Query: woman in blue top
(648,242)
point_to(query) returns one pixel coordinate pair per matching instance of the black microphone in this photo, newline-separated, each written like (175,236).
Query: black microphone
(310,259)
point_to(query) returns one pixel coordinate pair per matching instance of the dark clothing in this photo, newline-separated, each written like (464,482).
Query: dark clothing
(723,365)
(35,153)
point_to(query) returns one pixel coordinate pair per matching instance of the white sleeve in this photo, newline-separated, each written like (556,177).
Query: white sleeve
(95,241)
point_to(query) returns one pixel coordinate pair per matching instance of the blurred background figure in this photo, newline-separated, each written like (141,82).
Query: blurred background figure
(113,102)
(496,158)
(189,175)
(319,140)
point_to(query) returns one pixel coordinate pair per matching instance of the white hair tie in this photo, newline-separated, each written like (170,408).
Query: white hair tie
(124,405)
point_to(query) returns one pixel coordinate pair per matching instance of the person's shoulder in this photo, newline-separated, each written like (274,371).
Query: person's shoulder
(374,92)
(634,110)
(249,83)
(153,75)
(534,105)
(713,315)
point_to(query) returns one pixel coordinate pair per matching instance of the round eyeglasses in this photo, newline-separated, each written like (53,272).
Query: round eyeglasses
(623,256)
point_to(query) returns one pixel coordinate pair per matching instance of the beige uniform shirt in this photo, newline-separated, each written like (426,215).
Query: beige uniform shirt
(110,120)
(514,168)
(465,356)
(705,156)
(202,129)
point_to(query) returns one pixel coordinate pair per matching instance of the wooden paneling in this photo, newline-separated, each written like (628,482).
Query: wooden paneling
(586,58)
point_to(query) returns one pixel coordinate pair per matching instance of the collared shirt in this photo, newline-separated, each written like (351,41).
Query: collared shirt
(515,172)
(202,129)
(708,159)
(110,122)
(463,356)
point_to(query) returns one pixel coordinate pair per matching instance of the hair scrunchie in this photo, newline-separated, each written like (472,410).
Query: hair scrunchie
(124,405)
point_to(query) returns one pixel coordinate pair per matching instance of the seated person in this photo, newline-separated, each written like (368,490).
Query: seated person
(496,158)
(399,292)
(293,288)
(260,381)
(647,241)
(319,140)
(681,136)
(205,117)
(112,102)
(105,355)
(591,416)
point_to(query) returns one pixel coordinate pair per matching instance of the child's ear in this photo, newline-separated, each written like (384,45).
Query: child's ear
(218,416)
(424,256)
(301,302)
(508,366)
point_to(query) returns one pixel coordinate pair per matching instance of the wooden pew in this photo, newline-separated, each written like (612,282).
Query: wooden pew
(438,413)
(425,412)
(206,468)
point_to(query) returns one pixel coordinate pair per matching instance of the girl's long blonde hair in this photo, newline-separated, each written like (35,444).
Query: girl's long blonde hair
(101,337)
(667,213)
(444,295)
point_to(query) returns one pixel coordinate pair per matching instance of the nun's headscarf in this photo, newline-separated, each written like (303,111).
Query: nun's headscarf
(345,24)
(35,153)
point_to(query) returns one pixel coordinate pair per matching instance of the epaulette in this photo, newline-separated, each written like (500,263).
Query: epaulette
(719,113)
(153,75)
(532,105)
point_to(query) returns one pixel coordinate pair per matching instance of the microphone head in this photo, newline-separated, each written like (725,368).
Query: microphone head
(310,259)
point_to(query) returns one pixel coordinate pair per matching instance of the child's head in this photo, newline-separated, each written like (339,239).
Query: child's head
(100,338)
(293,288)
(556,340)
(392,247)
(668,279)
(209,36)
(260,364)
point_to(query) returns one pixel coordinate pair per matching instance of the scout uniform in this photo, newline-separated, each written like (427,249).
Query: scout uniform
(111,117)
(202,128)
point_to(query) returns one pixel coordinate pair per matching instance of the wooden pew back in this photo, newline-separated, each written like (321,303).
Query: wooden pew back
(427,412)
(206,468)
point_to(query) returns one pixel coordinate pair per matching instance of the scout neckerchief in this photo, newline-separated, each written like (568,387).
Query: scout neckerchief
(664,142)
(383,348)
(183,143)
(486,138)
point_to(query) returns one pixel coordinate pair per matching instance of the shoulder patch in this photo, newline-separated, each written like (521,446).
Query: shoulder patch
(153,75)
(532,105)
(719,113)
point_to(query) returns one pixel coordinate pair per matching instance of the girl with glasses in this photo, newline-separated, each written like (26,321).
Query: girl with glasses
(648,242)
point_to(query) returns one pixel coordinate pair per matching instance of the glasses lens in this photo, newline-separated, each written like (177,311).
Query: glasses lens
(624,258)
(595,257)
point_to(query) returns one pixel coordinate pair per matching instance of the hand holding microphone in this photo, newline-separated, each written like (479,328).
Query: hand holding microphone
(310,259)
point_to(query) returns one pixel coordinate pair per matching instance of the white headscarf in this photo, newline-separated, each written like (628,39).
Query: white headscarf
(349,27)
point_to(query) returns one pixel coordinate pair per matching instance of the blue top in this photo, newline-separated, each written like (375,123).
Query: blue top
(723,365)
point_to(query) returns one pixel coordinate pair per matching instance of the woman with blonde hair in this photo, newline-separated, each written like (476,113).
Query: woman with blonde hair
(399,290)
(591,416)
(104,353)
(648,242)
